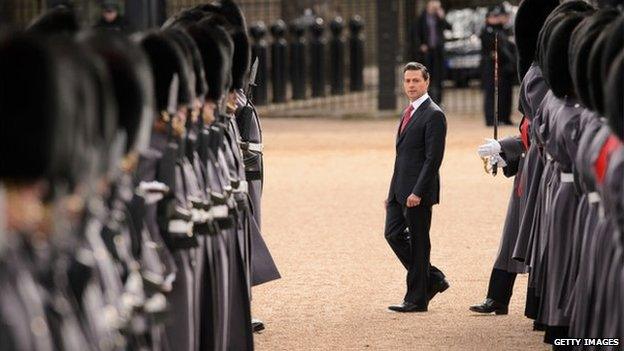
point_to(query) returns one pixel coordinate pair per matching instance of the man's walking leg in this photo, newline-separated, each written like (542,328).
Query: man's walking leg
(419,221)
(395,232)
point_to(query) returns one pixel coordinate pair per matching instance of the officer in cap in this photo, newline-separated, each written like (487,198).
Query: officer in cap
(111,18)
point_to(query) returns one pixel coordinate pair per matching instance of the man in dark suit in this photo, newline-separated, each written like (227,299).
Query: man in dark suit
(427,44)
(415,188)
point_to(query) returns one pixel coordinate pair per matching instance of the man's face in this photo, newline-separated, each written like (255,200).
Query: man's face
(109,15)
(414,84)
(432,6)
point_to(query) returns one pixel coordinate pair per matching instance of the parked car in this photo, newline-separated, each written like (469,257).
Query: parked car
(463,44)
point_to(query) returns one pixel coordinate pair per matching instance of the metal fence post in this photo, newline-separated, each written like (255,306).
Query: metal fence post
(298,60)
(317,47)
(356,54)
(387,33)
(336,56)
(259,49)
(278,61)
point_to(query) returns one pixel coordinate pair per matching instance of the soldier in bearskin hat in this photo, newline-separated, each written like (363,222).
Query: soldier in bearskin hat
(517,154)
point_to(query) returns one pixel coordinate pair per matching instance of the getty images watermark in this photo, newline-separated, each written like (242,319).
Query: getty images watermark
(587,342)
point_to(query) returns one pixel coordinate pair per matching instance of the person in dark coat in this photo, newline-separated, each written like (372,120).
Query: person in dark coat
(111,18)
(414,189)
(427,45)
(511,152)
(496,34)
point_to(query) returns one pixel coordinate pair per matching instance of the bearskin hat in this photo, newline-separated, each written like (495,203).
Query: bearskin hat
(555,16)
(217,50)
(581,41)
(132,85)
(167,62)
(529,21)
(229,15)
(594,69)
(60,19)
(48,121)
(613,102)
(186,42)
(613,46)
(555,69)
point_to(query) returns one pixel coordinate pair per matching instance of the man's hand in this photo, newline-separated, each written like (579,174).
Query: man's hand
(490,148)
(424,48)
(413,200)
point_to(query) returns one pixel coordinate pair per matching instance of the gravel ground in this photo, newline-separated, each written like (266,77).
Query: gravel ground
(325,182)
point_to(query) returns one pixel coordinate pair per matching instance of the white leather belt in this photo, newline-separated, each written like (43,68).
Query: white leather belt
(181,227)
(152,192)
(593,197)
(220,211)
(198,216)
(567,177)
(243,187)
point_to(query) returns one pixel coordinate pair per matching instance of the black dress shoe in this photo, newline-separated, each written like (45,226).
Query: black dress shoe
(489,306)
(438,287)
(407,307)
(257,325)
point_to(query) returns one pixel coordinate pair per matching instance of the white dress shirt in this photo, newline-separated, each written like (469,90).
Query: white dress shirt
(416,103)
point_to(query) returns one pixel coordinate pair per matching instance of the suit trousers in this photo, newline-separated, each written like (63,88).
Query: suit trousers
(412,247)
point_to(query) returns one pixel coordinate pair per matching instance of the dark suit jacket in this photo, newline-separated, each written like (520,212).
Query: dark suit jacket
(419,33)
(419,153)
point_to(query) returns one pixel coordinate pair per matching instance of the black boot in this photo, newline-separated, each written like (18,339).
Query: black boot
(489,306)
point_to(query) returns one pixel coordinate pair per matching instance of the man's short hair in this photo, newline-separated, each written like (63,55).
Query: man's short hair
(417,66)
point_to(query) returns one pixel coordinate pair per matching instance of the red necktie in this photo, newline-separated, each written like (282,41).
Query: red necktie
(406,117)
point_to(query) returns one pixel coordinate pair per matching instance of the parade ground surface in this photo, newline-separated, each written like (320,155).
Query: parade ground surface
(325,182)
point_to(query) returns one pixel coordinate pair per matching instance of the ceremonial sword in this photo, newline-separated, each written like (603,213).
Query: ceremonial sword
(485,160)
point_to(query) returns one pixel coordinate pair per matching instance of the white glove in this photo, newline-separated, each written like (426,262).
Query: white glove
(491,147)
(496,160)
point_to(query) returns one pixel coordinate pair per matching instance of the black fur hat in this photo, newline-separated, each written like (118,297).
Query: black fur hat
(595,82)
(184,18)
(39,123)
(217,50)
(104,101)
(27,111)
(613,46)
(529,21)
(576,6)
(581,41)
(193,56)
(613,102)
(166,61)
(186,90)
(555,69)
(131,80)
(232,19)
(60,19)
